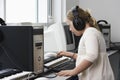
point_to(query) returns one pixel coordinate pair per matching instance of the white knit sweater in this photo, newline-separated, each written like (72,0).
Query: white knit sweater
(92,48)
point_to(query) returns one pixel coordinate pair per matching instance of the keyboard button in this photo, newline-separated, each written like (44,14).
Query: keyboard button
(50,59)
(64,66)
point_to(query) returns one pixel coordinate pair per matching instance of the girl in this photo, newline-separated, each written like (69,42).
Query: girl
(92,61)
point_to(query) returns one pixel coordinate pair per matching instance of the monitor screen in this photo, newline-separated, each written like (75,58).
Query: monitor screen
(16,48)
(70,42)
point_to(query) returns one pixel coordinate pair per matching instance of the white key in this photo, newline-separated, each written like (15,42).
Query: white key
(52,63)
(17,75)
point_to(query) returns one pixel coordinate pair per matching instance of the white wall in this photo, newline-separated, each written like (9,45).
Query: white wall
(108,10)
(67,5)
(2,9)
(60,8)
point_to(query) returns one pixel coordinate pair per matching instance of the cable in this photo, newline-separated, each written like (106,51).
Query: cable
(51,75)
(50,70)
(31,75)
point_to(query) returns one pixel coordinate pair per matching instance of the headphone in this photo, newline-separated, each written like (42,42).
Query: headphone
(78,22)
(2,22)
(1,36)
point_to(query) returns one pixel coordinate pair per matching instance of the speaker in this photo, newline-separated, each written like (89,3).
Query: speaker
(78,22)
(2,22)
(105,28)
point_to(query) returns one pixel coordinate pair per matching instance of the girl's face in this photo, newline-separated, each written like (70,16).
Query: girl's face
(72,29)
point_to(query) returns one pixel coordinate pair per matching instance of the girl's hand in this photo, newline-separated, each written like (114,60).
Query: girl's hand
(66,73)
(64,53)
(61,53)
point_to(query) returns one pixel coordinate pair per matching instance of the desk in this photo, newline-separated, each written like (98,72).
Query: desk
(114,57)
(114,60)
(58,78)
(52,76)
(110,52)
(115,63)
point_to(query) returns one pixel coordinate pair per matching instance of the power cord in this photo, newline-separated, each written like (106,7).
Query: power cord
(31,75)
(53,75)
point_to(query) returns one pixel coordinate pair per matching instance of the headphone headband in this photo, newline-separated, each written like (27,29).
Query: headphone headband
(75,11)
(78,23)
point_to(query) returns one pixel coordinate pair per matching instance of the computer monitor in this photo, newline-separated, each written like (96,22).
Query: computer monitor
(58,37)
(20,48)
(54,38)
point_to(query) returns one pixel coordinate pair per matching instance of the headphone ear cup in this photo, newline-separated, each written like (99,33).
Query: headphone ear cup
(78,23)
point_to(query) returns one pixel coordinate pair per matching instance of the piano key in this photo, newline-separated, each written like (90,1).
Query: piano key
(54,62)
(16,76)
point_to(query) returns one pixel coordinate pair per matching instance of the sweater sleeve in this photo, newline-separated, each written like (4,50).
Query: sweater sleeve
(91,45)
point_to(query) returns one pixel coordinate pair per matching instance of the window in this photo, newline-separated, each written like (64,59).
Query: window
(42,11)
(2,9)
(26,11)
(20,11)
(50,7)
